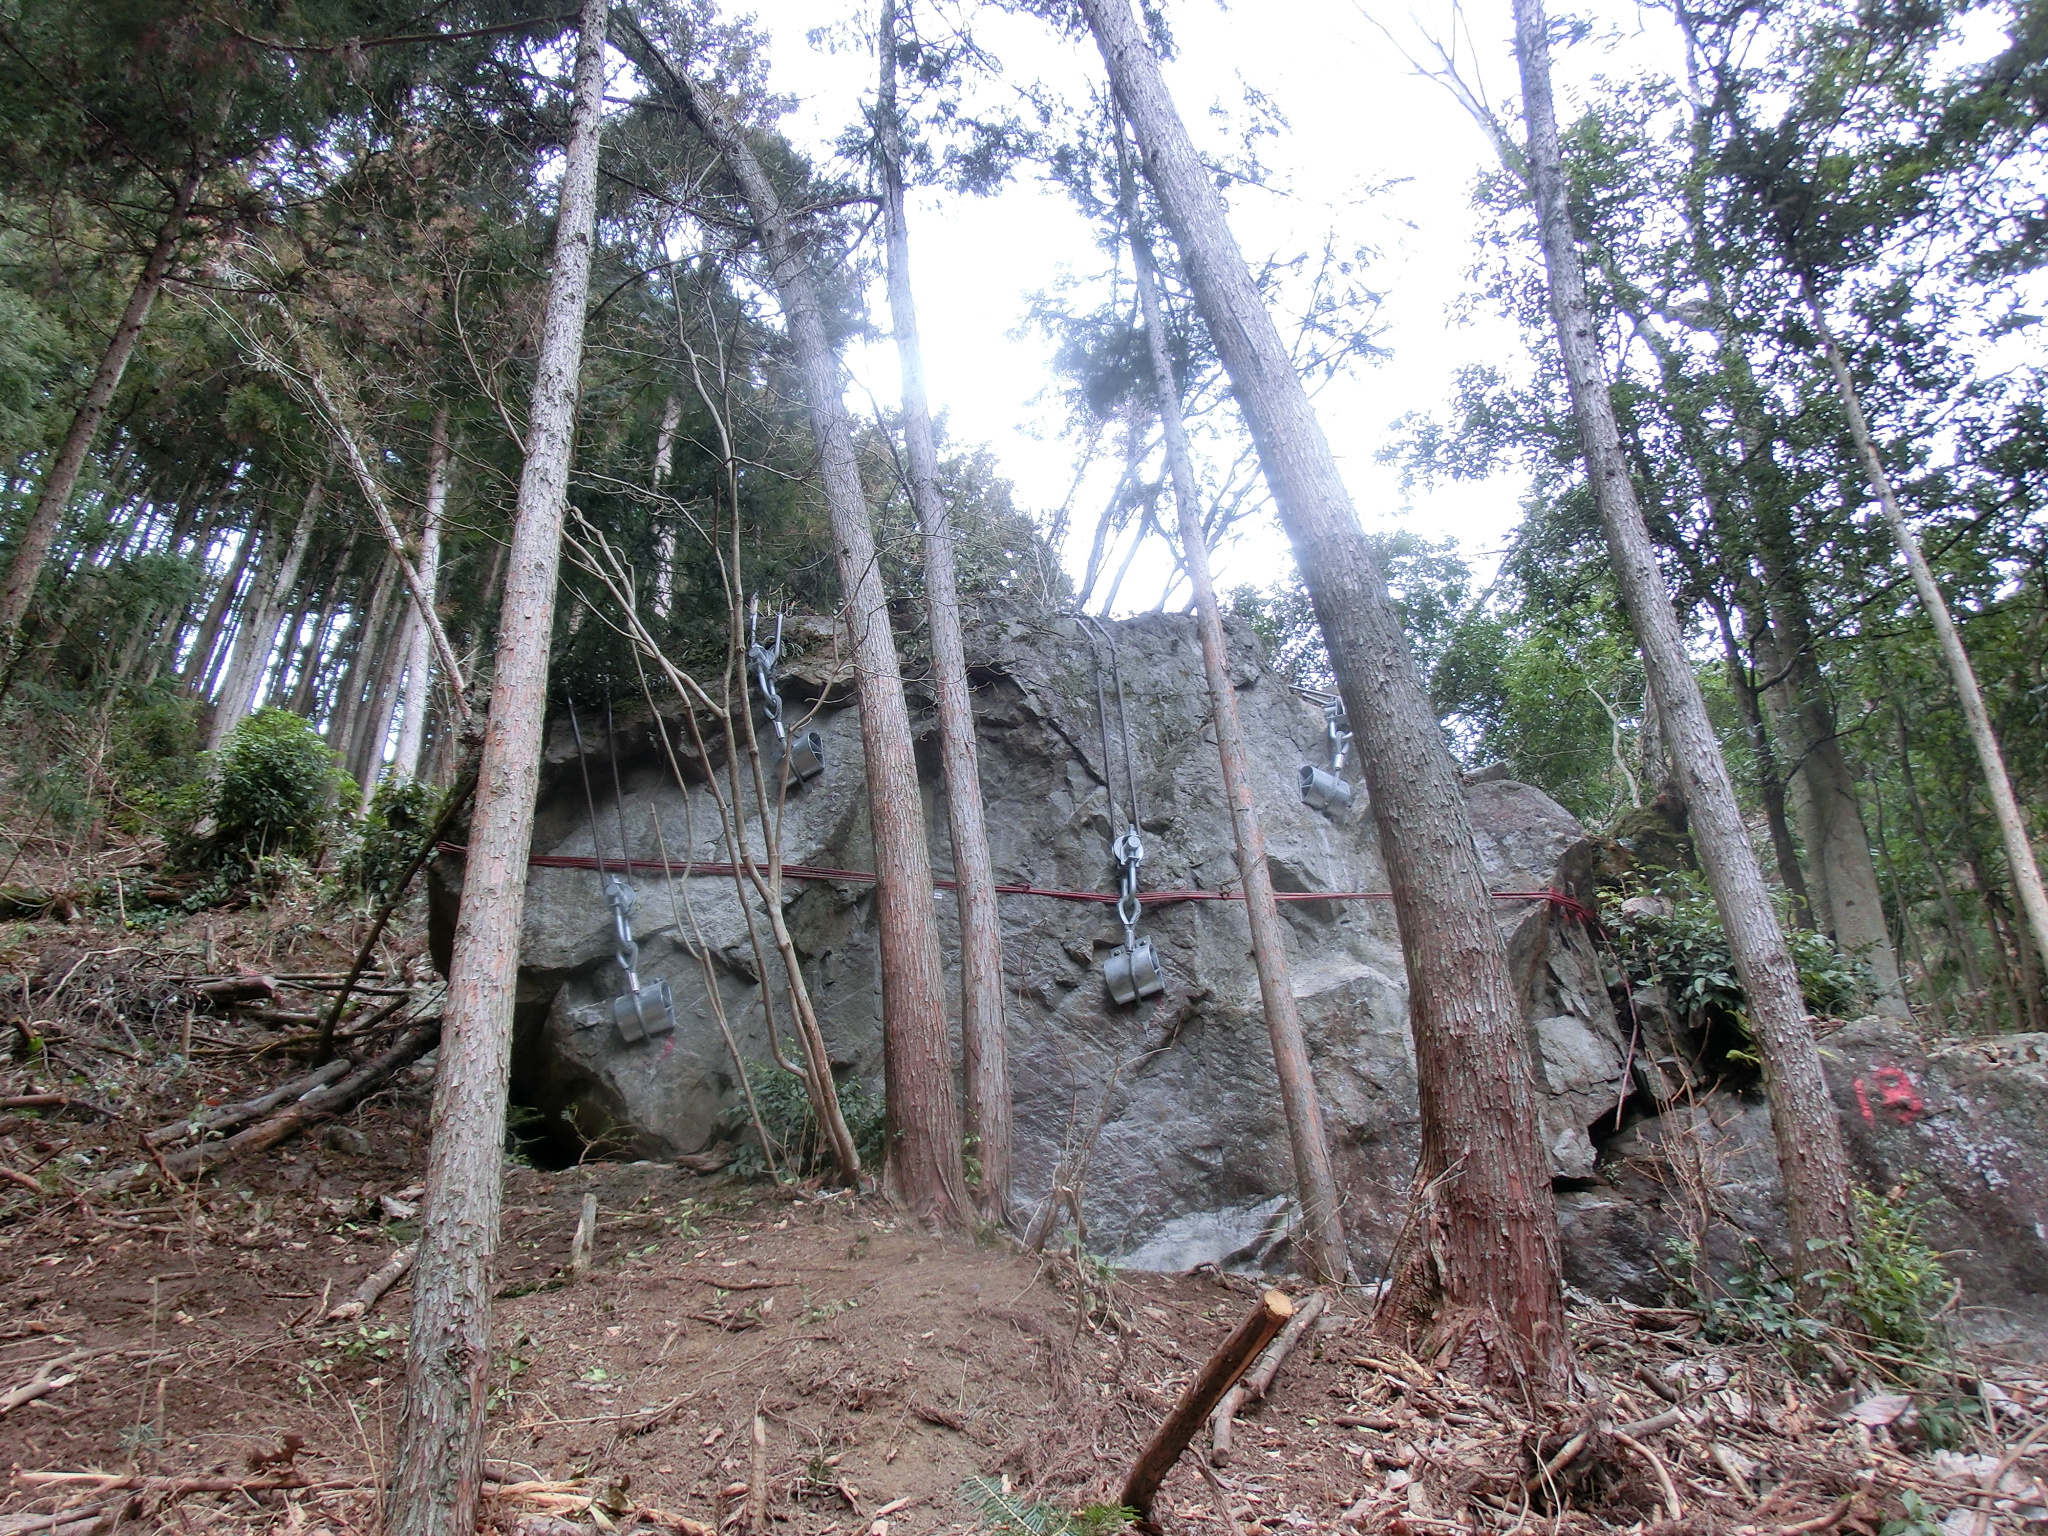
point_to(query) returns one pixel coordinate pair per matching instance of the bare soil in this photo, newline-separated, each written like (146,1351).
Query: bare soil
(184,1327)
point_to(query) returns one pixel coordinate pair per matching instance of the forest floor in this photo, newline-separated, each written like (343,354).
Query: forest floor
(739,1356)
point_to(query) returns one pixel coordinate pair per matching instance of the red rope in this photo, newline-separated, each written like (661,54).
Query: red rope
(1558,899)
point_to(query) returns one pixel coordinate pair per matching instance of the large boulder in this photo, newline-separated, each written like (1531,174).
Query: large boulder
(1960,1128)
(1191,1156)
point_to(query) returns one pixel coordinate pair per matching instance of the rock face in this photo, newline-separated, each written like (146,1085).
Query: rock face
(1191,1158)
(1961,1129)
(1189,1151)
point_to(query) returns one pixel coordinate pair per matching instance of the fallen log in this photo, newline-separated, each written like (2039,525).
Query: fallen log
(248,1109)
(1217,1377)
(110,1482)
(76,1521)
(288,1122)
(372,1290)
(1259,1379)
(278,1018)
(373,1074)
(226,991)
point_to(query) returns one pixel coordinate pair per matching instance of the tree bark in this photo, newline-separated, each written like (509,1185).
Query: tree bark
(438,1475)
(1484,1262)
(1770,778)
(2005,807)
(1959,932)
(356,691)
(665,556)
(385,650)
(341,421)
(1838,842)
(1321,1243)
(985,1067)
(256,636)
(1811,1161)
(419,644)
(199,662)
(923,1169)
(18,587)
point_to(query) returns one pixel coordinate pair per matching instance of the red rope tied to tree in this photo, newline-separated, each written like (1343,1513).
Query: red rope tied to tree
(1567,904)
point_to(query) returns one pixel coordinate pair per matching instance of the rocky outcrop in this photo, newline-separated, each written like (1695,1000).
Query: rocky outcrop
(1190,1161)
(1961,1130)
(1192,1156)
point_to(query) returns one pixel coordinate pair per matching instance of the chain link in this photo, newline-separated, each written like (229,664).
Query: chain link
(764,659)
(620,895)
(1129,851)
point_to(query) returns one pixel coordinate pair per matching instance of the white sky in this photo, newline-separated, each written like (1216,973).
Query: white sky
(1360,116)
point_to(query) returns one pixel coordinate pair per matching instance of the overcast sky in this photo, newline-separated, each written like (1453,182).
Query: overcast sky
(1377,154)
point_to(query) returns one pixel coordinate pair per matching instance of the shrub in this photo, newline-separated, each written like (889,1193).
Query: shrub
(1685,952)
(791,1123)
(276,789)
(402,813)
(1881,1296)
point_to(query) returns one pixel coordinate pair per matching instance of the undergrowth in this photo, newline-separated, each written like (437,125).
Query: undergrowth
(401,815)
(1881,1299)
(1685,951)
(800,1144)
(1011,1514)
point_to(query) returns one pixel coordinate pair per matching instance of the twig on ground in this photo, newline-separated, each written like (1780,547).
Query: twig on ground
(1259,1379)
(1671,1501)
(372,1290)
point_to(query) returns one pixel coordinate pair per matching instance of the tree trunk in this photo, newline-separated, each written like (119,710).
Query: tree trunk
(2005,808)
(1811,1161)
(1484,1256)
(1321,1243)
(438,1473)
(18,587)
(344,717)
(305,697)
(924,1169)
(419,645)
(665,553)
(199,661)
(256,636)
(985,1067)
(386,650)
(1959,932)
(1770,780)
(339,413)
(1838,842)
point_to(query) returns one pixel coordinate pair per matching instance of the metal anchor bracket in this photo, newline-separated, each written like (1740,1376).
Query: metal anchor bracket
(643,1010)
(803,757)
(1326,789)
(1132,970)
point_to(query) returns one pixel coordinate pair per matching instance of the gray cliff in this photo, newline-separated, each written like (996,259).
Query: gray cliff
(1191,1161)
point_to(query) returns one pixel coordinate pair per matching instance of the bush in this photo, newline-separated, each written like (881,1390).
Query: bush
(791,1123)
(402,813)
(1685,952)
(276,790)
(1882,1296)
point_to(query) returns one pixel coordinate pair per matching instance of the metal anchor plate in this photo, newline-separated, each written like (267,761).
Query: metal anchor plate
(1324,790)
(649,1009)
(1133,972)
(805,755)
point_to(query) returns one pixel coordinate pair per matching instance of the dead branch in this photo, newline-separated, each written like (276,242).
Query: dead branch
(248,1109)
(372,1290)
(315,1106)
(1217,1377)
(1259,1379)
